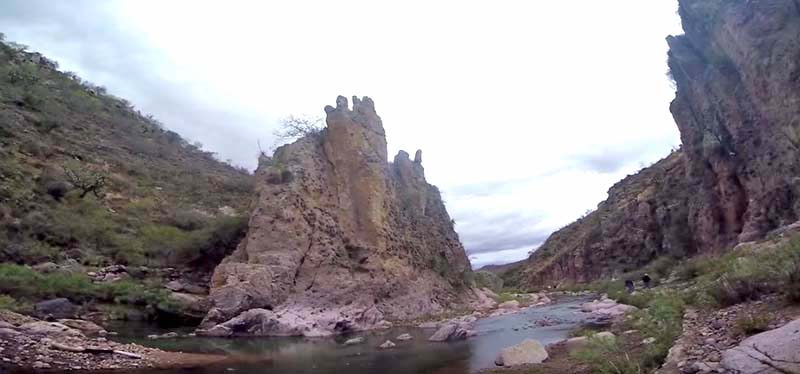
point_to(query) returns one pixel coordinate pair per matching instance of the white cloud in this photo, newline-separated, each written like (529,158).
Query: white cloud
(526,111)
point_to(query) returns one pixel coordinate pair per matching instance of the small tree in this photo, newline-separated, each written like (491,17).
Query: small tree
(87,181)
(297,127)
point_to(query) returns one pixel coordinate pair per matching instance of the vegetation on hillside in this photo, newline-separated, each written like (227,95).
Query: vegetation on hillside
(86,176)
(748,273)
(21,285)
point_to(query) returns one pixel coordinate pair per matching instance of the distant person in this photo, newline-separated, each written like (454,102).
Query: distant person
(646,280)
(629,285)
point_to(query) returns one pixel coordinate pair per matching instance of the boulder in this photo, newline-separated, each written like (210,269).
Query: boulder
(193,306)
(451,332)
(597,305)
(615,311)
(86,327)
(354,341)
(55,308)
(387,344)
(46,267)
(771,352)
(530,351)
(169,335)
(404,337)
(511,304)
(49,329)
(6,333)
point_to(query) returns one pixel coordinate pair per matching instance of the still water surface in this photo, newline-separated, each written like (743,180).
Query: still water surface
(330,356)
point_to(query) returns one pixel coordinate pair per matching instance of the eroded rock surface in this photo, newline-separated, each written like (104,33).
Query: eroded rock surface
(339,238)
(737,174)
(772,352)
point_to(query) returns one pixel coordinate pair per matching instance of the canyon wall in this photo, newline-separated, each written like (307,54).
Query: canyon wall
(737,175)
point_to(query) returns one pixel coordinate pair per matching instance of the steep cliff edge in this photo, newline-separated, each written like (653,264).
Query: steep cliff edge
(339,238)
(736,177)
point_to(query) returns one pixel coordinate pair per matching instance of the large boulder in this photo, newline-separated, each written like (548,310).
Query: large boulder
(55,308)
(597,305)
(530,351)
(87,327)
(772,352)
(49,329)
(451,332)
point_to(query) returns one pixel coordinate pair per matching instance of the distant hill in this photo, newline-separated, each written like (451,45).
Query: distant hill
(86,176)
(501,269)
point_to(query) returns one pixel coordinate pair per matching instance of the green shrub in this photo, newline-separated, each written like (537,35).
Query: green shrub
(734,289)
(753,324)
(607,356)
(662,320)
(505,296)
(488,280)
(22,282)
(9,303)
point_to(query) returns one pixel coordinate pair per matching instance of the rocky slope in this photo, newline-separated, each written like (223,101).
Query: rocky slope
(736,177)
(339,238)
(88,183)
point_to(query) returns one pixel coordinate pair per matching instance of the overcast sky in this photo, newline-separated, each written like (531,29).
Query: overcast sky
(526,111)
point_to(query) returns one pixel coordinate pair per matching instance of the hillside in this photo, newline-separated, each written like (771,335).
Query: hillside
(736,176)
(88,180)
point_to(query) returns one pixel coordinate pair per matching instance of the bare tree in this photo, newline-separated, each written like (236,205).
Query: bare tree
(297,127)
(88,181)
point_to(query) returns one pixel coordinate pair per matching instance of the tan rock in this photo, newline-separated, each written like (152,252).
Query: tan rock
(530,351)
(341,238)
(87,327)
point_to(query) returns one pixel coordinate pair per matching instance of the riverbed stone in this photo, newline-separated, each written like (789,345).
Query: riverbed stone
(354,341)
(55,308)
(387,344)
(53,329)
(403,337)
(87,327)
(451,332)
(530,351)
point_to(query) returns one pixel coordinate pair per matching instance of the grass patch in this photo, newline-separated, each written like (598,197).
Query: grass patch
(23,283)
(507,296)
(607,356)
(661,319)
(752,324)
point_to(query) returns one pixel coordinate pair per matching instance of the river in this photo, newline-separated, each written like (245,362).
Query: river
(330,356)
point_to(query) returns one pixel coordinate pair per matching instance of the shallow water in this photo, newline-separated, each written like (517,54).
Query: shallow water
(330,356)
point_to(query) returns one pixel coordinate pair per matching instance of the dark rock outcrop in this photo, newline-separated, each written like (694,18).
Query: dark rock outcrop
(339,238)
(737,175)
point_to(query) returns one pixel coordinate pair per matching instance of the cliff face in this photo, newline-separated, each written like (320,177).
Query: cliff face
(645,216)
(738,173)
(341,239)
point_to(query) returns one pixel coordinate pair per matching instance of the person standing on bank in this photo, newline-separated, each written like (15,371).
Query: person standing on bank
(629,285)
(646,280)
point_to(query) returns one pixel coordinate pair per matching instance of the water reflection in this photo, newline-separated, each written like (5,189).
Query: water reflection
(330,356)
